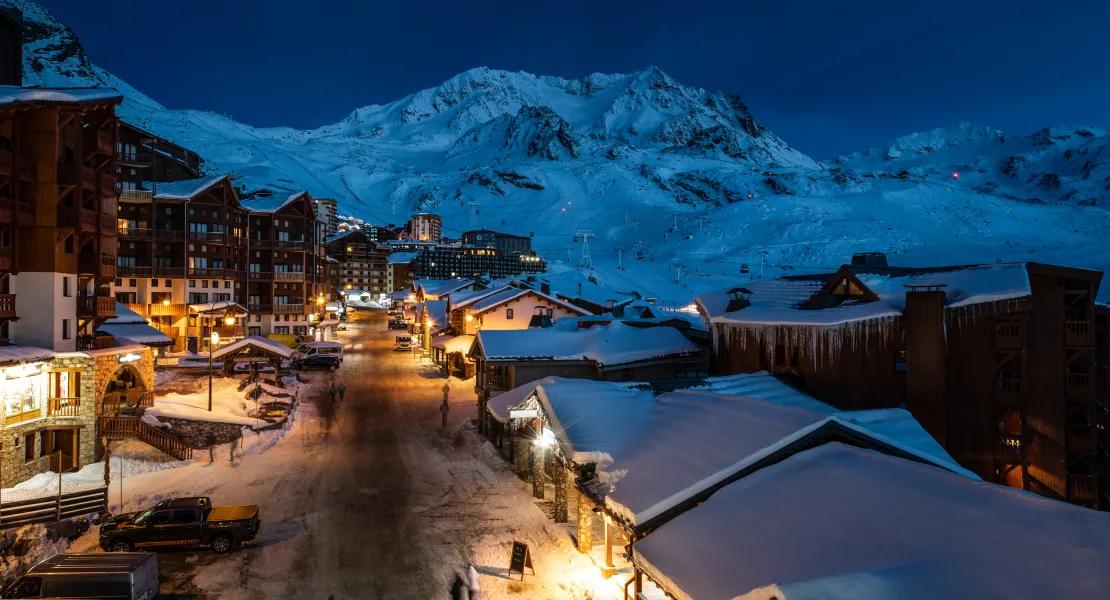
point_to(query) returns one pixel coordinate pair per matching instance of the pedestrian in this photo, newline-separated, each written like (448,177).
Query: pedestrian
(342,390)
(331,392)
(444,407)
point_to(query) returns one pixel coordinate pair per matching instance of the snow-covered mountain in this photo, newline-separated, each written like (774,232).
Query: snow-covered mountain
(687,185)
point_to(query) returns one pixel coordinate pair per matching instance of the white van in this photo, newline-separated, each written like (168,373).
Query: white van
(404,342)
(314,348)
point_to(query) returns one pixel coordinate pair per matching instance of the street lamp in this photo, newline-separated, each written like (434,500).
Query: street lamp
(214,342)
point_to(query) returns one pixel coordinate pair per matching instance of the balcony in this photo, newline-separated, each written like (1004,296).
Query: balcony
(159,309)
(25,212)
(225,331)
(133,271)
(7,306)
(208,273)
(133,159)
(96,306)
(169,234)
(1008,447)
(140,309)
(76,175)
(107,266)
(1007,335)
(7,210)
(108,224)
(288,309)
(14,165)
(136,196)
(108,186)
(64,407)
(104,143)
(136,233)
(1008,391)
(6,262)
(97,342)
(259,276)
(289,245)
(78,218)
(1081,438)
(1078,333)
(207,236)
(169,271)
(257,243)
(1078,385)
(289,276)
(263,309)
(1081,487)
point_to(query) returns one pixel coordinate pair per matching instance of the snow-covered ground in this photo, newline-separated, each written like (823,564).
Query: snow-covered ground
(229,405)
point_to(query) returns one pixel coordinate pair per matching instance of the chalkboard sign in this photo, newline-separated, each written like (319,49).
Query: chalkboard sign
(520,559)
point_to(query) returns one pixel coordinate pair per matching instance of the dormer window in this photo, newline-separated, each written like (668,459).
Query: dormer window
(738,298)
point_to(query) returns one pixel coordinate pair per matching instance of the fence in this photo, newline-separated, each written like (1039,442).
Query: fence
(49,509)
(131,428)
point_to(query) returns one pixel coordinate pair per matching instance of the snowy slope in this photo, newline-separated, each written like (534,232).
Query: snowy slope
(685,179)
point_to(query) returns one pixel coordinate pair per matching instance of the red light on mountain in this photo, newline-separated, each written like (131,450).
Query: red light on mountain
(955,176)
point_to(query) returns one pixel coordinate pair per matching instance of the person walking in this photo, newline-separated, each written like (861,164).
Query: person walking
(342,390)
(331,392)
(443,408)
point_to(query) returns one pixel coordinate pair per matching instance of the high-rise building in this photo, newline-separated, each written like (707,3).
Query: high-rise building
(328,211)
(425,227)
(486,238)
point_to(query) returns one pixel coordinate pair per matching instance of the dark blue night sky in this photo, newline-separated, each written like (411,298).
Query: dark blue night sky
(829,77)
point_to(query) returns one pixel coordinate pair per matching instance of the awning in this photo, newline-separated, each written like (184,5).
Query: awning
(214,307)
(137,332)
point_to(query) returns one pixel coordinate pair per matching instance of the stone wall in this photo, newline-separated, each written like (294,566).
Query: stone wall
(108,363)
(202,434)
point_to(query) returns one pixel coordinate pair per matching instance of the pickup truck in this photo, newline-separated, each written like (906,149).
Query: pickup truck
(181,522)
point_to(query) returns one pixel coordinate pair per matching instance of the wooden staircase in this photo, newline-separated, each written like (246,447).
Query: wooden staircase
(133,428)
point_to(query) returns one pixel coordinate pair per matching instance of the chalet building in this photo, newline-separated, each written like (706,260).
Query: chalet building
(442,262)
(487,238)
(328,211)
(599,302)
(996,361)
(399,271)
(58,206)
(362,265)
(505,359)
(196,261)
(639,457)
(146,160)
(11,46)
(425,290)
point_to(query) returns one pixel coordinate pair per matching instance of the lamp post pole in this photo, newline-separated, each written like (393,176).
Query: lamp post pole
(211,346)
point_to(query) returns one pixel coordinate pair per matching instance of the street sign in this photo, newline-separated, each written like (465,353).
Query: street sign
(520,559)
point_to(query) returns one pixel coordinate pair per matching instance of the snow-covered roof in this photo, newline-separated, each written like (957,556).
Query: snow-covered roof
(272,203)
(608,345)
(399,294)
(126,316)
(844,523)
(453,343)
(400,257)
(462,298)
(10,94)
(508,294)
(186,189)
(221,306)
(439,287)
(255,341)
(778,301)
(332,306)
(21,354)
(436,312)
(140,333)
(657,452)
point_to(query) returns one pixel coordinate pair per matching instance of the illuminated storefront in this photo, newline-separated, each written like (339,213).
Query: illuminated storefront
(23,389)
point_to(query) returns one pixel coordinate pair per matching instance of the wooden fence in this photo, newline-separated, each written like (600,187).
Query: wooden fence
(49,509)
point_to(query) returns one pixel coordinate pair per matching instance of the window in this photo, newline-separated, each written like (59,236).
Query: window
(29,446)
(65,287)
(160,297)
(254,330)
(28,587)
(167,283)
(257,318)
(281,330)
(508,313)
(161,517)
(302,331)
(198,298)
(153,283)
(626,374)
(65,329)
(185,517)
(204,283)
(119,283)
(133,283)
(221,297)
(192,283)
(227,285)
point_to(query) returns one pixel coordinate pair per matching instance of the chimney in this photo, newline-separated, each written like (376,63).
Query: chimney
(869,259)
(925,359)
(738,299)
(545,288)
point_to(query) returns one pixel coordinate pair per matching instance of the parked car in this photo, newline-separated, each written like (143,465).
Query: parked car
(404,342)
(317,362)
(126,575)
(181,522)
(314,348)
(341,327)
(395,324)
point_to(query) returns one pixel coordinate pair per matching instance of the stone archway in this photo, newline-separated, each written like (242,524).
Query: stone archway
(124,390)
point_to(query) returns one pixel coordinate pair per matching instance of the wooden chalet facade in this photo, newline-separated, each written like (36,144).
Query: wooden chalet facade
(194,243)
(362,264)
(145,160)
(997,362)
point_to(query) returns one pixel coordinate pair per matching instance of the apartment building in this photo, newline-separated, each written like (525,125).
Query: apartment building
(362,264)
(328,210)
(193,257)
(146,160)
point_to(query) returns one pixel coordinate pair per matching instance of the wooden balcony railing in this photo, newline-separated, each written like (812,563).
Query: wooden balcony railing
(95,342)
(1008,447)
(107,265)
(7,210)
(133,271)
(289,244)
(169,330)
(1081,487)
(1007,335)
(207,236)
(120,399)
(14,165)
(96,306)
(7,306)
(6,263)
(7,162)
(108,185)
(225,331)
(192,272)
(497,383)
(169,234)
(25,209)
(1008,391)
(1078,333)
(1078,385)
(142,310)
(262,309)
(1081,437)
(257,276)
(136,233)
(257,243)
(288,309)
(104,143)
(64,407)
(169,271)
(75,174)
(289,276)
(159,309)
(134,158)
(141,196)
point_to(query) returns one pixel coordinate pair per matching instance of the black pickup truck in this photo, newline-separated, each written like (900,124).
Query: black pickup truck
(181,522)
